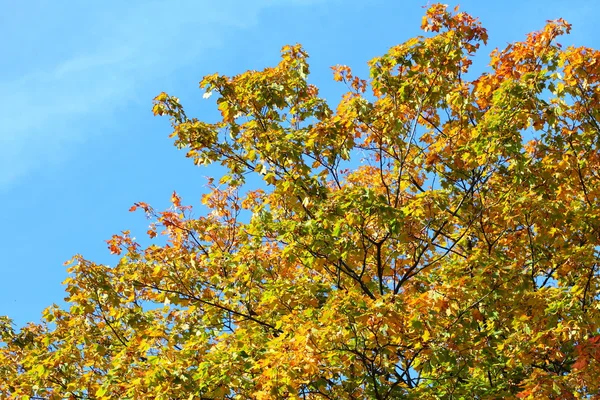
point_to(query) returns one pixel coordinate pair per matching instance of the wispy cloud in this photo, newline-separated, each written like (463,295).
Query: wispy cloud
(70,62)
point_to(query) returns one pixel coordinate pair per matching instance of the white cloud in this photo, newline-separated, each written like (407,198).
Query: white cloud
(98,57)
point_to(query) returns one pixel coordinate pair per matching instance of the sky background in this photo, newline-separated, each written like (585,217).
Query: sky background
(79,144)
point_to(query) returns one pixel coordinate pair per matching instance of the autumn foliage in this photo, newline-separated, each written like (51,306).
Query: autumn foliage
(434,235)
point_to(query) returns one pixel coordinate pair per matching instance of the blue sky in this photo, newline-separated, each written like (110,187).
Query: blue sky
(79,144)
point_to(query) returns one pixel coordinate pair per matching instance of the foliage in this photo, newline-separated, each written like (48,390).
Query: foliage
(431,237)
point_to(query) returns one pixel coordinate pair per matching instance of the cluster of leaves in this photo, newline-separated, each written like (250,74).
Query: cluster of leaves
(431,237)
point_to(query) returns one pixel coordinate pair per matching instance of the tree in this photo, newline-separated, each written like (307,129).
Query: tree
(431,237)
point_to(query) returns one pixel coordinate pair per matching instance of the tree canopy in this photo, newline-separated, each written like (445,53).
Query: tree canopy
(434,235)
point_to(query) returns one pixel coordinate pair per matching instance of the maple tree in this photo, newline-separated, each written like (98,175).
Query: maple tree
(431,237)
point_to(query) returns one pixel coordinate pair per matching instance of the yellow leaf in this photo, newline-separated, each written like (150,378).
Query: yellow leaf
(426,335)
